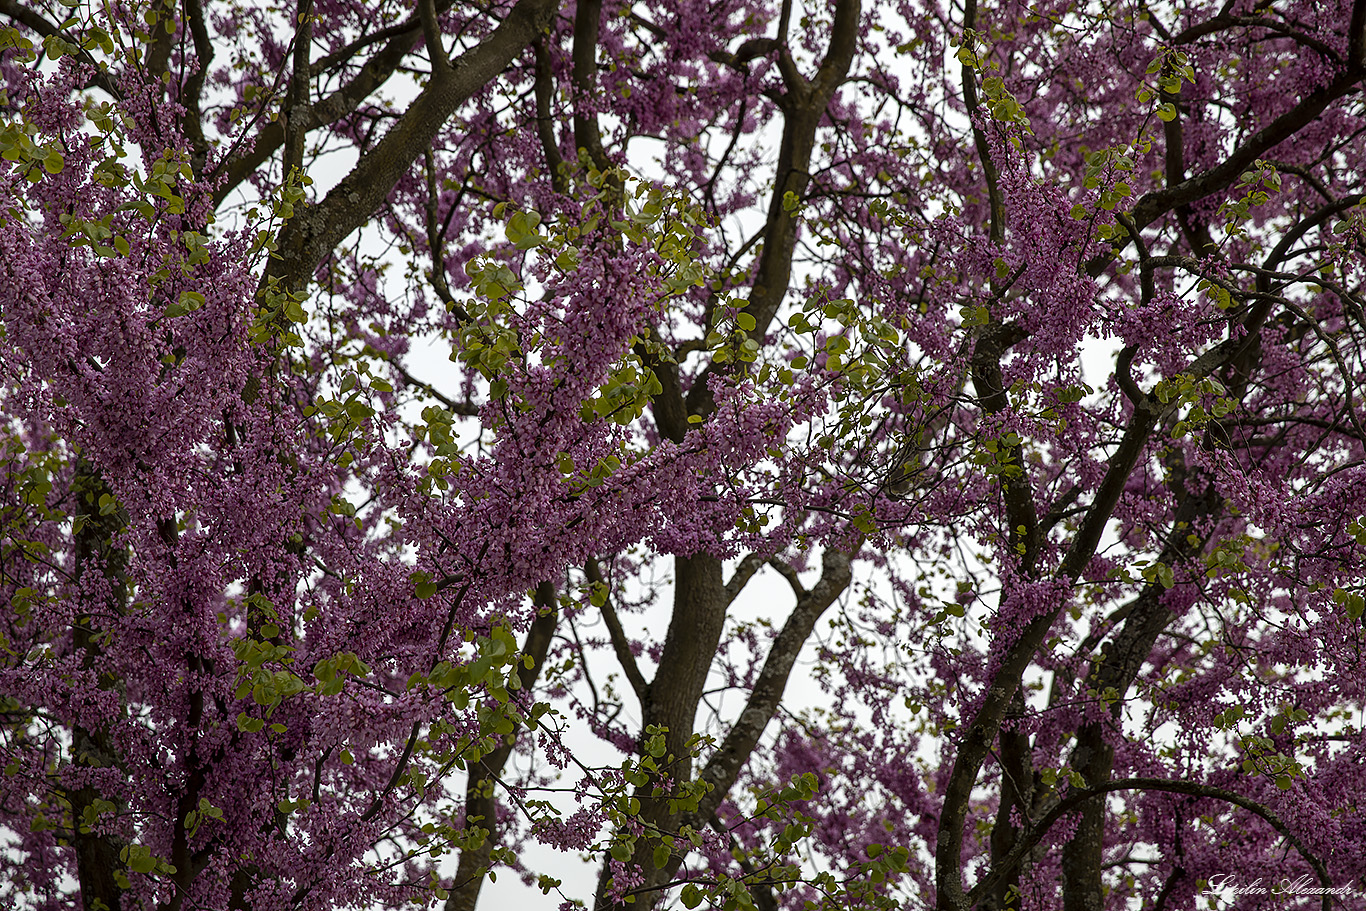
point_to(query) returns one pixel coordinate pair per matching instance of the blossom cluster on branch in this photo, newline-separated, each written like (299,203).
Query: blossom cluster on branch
(1018,346)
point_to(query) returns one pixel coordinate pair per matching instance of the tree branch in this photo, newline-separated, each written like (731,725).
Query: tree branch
(36,21)
(587,136)
(1017,780)
(1035,833)
(803,108)
(1022,523)
(723,767)
(98,863)
(749,565)
(1155,204)
(784,569)
(981,732)
(431,34)
(299,94)
(545,125)
(979,138)
(1356,36)
(464,409)
(1113,672)
(315,230)
(192,96)
(620,645)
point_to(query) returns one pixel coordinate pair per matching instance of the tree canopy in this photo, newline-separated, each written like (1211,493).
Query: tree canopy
(1021,344)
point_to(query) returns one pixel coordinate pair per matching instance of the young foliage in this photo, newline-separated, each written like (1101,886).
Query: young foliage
(1018,348)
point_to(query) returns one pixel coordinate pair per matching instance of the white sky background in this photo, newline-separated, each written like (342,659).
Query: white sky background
(767,594)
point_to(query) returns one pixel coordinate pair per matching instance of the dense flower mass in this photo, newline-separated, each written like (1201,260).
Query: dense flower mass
(995,368)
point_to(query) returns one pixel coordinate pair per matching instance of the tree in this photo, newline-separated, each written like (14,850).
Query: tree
(1022,342)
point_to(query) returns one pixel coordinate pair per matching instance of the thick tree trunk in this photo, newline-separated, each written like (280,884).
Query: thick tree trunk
(1084,854)
(97,854)
(1017,796)
(699,617)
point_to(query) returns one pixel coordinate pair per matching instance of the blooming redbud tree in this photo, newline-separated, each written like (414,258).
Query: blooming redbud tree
(1018,346)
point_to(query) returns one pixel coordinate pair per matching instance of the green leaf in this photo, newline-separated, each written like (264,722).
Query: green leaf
(691,896)
(745,321)
(1164,575)
(140,859)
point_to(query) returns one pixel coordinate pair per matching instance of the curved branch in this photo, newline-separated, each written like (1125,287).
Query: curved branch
(620,645)
(803,108)
(1035,833)
(1302,227)
(749,565)
(723,767)
(1225,21)
(981,732)
(374,73)
(784,569)
(1157,203)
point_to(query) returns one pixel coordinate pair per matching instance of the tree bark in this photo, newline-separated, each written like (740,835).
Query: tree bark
(315,230)
(97,854)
